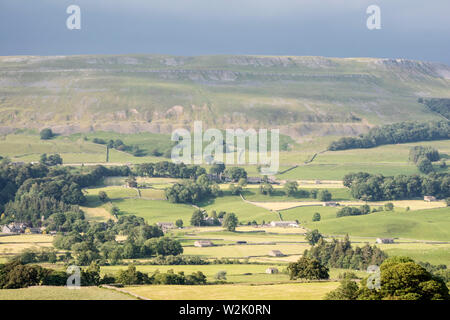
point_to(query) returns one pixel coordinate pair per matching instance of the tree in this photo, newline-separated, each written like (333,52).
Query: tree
(306,268)
(115,211)
(132,276)
(235,173)
(46,134)
(242,182)
(179,223)
(221,275)
(316,217)
(235,189)
(197,218)
(165,246)
(51,160)
(266,189)
(403,279)
(103,196)
(424,165)
(365,209)
(313,237)
(347,290)
(131,182)
(324,195)
(389,206)
(217,169)
(291,188)
(230,222)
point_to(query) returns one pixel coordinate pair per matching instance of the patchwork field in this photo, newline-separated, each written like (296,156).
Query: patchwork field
(297,291)
(387,160)
(14,244)
(154,211)
(242,251)
(312,100)
(245,211)
(63,293)
(27,147)
(432,224)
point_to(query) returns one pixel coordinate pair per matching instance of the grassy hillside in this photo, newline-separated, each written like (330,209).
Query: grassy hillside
(304,95)
(431,224)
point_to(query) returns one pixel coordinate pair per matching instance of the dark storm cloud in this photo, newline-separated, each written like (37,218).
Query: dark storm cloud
(412,29)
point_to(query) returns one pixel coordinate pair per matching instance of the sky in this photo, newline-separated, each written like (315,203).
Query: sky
(411,29)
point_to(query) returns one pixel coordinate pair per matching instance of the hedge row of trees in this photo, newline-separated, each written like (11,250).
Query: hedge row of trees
(401,132)
(131,276)
(370,187)
(353,211)
(193,191)
(119,145)
(341,254)
(14,275)
(169,169)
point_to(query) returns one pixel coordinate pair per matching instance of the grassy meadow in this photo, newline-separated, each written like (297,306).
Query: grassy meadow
(63,293)
(294,291)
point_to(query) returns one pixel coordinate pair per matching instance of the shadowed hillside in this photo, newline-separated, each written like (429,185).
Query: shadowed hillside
(305,96)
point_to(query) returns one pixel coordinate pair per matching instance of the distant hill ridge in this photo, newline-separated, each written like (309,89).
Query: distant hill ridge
(304,96)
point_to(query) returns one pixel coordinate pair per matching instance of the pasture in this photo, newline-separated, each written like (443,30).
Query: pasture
(388,160)
(154,211)
(246,212)
(294,291)
(62,293)
(246,250)
(431,224)
(13,244)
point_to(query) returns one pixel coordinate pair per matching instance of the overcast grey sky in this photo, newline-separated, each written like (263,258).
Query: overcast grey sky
(413,29)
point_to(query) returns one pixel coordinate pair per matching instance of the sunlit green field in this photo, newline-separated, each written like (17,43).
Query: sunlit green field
(73,150)
(432,253)
(431,224)
(245,212)
(387,160)
(114,192)
(155,210)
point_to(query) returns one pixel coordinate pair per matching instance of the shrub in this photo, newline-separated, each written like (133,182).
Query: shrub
(46,134)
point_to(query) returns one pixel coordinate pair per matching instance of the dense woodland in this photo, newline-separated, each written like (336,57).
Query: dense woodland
(341,254)
(369,187)
(402,132)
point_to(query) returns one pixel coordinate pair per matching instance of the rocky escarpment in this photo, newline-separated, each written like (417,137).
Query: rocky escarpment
(303,96)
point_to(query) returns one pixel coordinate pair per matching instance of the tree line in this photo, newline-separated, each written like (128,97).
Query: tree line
(369,187)
(401,132)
